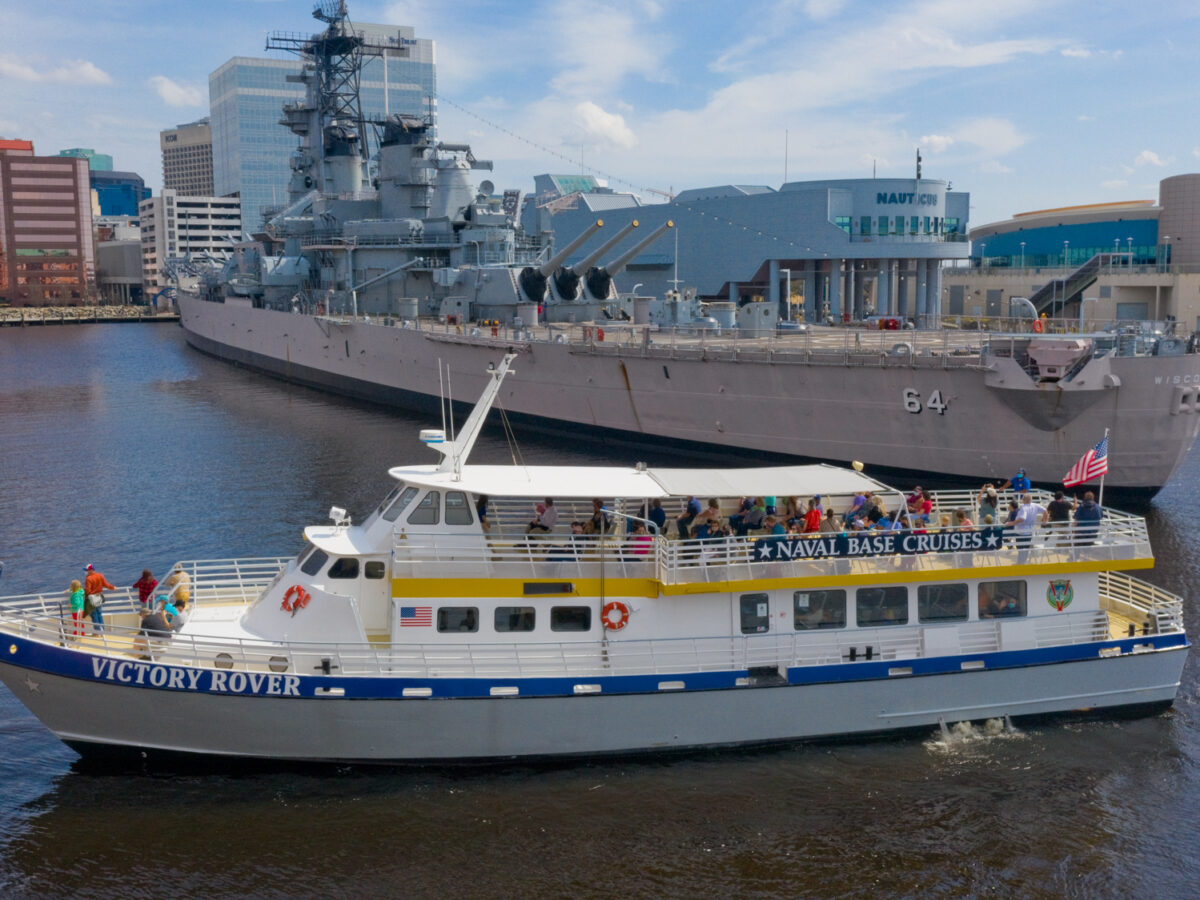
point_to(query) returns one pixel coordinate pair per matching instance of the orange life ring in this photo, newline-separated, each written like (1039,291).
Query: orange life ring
(295,599)
(615,615)
(1037,326)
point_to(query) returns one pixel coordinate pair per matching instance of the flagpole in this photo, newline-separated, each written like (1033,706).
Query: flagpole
(1105,469)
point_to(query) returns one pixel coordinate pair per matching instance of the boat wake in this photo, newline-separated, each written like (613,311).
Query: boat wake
(951,737)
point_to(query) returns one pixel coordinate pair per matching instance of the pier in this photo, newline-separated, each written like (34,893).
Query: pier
(78,315)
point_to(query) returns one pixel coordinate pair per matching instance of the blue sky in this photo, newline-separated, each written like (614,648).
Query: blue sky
(1027,104)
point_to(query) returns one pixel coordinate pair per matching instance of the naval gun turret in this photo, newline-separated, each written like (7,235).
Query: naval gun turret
(564,287)
(532,280)
(598,282)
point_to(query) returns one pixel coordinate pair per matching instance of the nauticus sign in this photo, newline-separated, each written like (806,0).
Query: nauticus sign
(912,198)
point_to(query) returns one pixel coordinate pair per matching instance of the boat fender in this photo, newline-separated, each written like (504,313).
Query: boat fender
(295,599)
(615,615)
(1037,326)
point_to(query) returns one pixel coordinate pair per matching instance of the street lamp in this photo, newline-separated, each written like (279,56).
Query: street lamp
(1129,248)
(1066,245)
(1022,254)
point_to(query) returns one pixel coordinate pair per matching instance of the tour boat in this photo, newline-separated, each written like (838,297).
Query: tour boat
(427,634)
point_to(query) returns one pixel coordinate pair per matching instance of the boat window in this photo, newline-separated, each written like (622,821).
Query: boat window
(458,510)
(819,609)
(315,563)
(570,618)
(387,501)
(397,507)
(375,569)
(346,567)
(427,510)
(514,618)
(942,603)
(756,613)
(1001,598)
(881,606)
(458,618)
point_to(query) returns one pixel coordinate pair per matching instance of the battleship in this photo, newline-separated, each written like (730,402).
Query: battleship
(381,274)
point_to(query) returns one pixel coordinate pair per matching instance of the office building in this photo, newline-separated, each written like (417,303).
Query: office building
(187,158)
(175,226)
(118,193)
(47,254)
(97,162)
(1130,260)
(251,150)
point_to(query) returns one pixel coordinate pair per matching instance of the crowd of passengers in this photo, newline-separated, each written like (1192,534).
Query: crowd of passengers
(866,513)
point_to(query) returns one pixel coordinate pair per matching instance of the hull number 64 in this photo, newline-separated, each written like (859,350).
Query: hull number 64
(912,402)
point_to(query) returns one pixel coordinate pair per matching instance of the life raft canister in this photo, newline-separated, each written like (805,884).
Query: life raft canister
(295,599)
(615,615)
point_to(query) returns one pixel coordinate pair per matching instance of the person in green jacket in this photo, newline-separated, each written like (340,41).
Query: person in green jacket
(76,592)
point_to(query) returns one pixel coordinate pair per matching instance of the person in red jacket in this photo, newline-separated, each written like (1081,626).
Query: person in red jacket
(94,587)
(145,586)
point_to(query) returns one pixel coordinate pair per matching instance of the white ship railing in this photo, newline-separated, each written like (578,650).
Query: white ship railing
(1162,612)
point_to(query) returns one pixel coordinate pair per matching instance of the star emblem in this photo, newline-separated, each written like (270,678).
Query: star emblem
(991,541)
(764,551)
(34,687)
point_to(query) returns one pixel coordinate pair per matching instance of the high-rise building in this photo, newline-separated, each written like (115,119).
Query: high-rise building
(252,150)
(187,158)
(97,162)
(174,225)
(47,255)
(118,193)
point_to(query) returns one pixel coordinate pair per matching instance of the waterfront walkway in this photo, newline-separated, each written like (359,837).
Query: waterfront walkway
(75,315)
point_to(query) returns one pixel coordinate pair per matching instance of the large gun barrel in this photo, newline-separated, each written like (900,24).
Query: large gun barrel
(557,260)
(598,280)
(590,260)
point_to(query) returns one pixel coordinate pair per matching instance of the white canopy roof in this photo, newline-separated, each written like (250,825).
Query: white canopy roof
(613,481)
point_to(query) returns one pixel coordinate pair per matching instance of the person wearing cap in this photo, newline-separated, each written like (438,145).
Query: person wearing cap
(179,583)
(1019,483)
(94,586)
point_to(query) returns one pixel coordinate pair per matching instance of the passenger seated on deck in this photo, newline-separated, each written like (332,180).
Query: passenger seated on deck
(180,618)
(640,541)
(682,522)
(153,633)
(735,520)
(754,518)
(658,515)
(545,518)
(598,522)
(709,520)
(570,550)
(829,524)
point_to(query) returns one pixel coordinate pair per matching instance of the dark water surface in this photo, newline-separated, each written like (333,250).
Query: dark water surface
(122,447)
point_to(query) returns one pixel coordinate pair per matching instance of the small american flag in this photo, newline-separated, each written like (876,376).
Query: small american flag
(416,616)
(1092,464)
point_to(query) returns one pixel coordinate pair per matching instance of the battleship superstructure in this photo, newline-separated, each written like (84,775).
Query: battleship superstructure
(371,280)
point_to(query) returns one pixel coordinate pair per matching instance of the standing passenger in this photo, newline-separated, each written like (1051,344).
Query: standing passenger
(77,604)
(145,586)
(94,586)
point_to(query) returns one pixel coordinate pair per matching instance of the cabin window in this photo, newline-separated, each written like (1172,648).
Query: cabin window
(375,569)
(458,510)
(393,512)
(1001,598)
(514,618)
(756,613)
(570,618)
(881,606)
(942,603)
(315,563)
(427,510)
(819,609)
(458,618)
(346,567)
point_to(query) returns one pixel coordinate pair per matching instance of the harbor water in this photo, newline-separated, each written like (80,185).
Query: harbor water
(122,447)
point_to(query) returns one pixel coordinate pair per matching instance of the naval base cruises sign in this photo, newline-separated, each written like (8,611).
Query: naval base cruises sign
(774,548)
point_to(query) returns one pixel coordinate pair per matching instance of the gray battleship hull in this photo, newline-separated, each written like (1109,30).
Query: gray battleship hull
(992,419)
(97,717)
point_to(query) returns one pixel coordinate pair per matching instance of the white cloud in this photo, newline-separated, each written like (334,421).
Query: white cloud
(823,9)
(175,94)
(1076,52)
(71,71)
(1114,184)
(1196,152)
(605,126)
(936,143)
(1085,118)
(1149,158)
(994,167)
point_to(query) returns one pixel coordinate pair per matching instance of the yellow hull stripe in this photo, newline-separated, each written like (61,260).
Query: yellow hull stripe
(511,588)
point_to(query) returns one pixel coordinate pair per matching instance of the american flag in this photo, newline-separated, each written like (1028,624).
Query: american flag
(1092,464)
(416,616)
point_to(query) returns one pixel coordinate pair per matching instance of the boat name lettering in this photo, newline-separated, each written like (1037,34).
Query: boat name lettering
(129,672)
(1177,379)
(777,547)
(910,197)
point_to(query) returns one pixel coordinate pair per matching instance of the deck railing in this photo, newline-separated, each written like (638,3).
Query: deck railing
(592,658)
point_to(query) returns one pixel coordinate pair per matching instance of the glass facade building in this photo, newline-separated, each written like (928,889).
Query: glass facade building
(251,149)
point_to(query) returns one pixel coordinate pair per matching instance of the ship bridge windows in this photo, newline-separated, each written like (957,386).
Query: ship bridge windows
(942,603)
(428,511)
(375,569)
(345,567)
(755,613)
(1001,599)
(877,606)
(463,619)
(396,502)
(819,609)
(314,561)
(458,510)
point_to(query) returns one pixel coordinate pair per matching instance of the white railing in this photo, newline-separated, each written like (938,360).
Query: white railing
(1141,602)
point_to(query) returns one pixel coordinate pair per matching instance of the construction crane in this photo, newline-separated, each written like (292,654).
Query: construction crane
(669,194)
